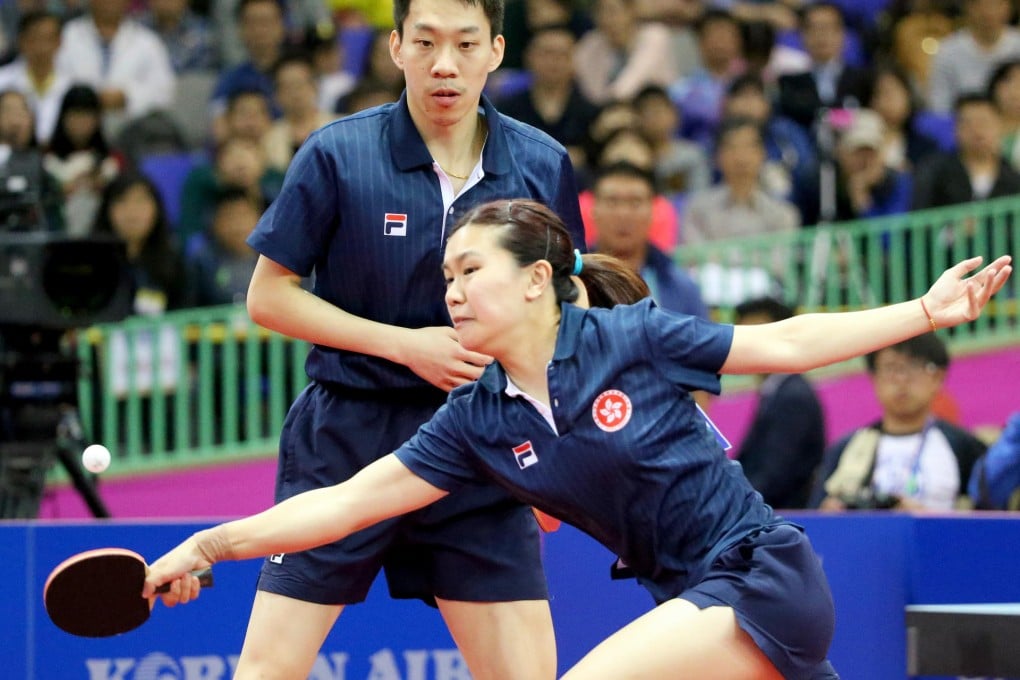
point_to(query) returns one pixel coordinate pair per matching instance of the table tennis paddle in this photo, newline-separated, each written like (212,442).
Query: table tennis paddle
(98,593)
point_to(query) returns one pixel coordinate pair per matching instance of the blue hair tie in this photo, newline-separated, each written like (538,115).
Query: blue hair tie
(578,263)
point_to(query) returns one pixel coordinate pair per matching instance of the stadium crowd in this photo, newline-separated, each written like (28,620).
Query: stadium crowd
(171,123)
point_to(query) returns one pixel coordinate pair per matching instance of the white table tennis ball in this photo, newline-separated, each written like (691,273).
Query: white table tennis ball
(95,458)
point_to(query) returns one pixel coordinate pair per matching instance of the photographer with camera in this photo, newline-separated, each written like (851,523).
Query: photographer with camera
(911,459)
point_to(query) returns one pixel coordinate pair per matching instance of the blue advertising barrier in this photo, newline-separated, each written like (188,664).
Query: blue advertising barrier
(876,562)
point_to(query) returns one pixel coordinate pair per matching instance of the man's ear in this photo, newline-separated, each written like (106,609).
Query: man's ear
(498,48)
(540,279)
(395,49)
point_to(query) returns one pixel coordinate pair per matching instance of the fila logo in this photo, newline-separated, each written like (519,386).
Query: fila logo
(611,410)
(395,224)
(525,455)
(277,558)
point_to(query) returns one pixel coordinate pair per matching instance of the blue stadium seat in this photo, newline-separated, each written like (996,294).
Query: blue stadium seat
(939,126)
(168,172)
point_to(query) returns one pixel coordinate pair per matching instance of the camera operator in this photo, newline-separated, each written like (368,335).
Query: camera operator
(911,459)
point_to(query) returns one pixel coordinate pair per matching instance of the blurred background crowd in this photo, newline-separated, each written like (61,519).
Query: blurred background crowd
(171,123)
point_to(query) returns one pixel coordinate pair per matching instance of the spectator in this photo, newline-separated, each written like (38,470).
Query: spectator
(239,162)
(222,269)
(298,99)
(680,165)
(125,62)
(132,210)
(791,158)
(966,58)
(297,17)
(80,159)
(553,102)
(892,97)
(187,36)
(611,117)
(700,95)
(737,207)
(367,93)
(866,186)
(786,439)
(621,55)
(976,169)
(34,71)
(1004,90)
(622,212)
(381,66)
(680,17)
(908,460)
(332,80)
(995,480)
(262,31)
(525,18)
(769,58)
(40,203)
(915,30)
(630,145)
(830,83)
(248,115)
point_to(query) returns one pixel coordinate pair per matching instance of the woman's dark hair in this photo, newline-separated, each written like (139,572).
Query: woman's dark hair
(79,98)
(158,253)
(494,12)
(896,72)
(1000,74)
(531,232)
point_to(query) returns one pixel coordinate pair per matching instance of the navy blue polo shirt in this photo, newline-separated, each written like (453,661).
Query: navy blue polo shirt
(362,206)
(632,464)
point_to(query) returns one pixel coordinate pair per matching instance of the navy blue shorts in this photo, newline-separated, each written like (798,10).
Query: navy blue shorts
(476,545)
(775,584)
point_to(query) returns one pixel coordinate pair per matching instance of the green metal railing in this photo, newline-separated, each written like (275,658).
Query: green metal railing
(859,264)
(185,387)
(209,385)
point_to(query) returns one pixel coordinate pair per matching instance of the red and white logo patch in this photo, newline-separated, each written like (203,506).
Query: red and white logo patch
(611,410)
(395,224)
(525,455)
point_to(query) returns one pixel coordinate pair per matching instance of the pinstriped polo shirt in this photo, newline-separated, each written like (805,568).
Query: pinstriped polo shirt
(362,208)
(633,464)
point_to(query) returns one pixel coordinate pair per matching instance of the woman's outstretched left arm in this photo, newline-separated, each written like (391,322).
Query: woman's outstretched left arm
(812,340)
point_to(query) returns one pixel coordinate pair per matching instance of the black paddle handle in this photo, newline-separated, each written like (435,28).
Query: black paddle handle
(204,578)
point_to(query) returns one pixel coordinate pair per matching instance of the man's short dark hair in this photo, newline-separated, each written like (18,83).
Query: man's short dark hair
(971,99)
(494,11)
(746,81)
(769,307)
(293,56)
(651,92)
(243,5)
(732,124)
(623,169)
(240,94)
(30,19)
(813,7)
(927,348)
(715,16)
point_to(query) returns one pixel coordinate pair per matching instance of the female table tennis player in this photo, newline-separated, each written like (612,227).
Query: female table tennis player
(586,414)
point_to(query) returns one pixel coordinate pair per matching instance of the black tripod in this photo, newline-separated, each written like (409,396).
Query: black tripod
(39,423)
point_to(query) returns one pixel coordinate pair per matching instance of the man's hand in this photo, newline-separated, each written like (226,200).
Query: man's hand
(435,355)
